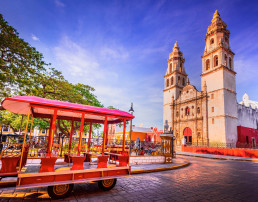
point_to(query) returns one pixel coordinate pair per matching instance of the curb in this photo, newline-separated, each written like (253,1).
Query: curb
(220,158)
(161,169)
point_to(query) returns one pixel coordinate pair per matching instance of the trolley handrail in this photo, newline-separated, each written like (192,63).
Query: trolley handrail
(12,145)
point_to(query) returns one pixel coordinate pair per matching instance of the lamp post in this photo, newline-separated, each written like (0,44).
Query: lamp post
(62,137)
(1,134)
(131,111)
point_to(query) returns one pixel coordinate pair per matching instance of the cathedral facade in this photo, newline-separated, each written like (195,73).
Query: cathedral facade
(209,116)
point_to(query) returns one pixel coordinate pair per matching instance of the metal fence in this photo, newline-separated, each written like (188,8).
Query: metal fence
(146,148)
(222,145)
(61,146)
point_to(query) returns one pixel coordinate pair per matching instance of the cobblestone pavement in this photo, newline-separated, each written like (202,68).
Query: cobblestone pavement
(213,156)
(203,180)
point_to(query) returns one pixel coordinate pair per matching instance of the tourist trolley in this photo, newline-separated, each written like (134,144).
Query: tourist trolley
(77,167)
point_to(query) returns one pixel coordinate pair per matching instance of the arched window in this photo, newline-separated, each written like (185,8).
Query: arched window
(226,60)
(187,111)
(183,81)
(207,64)
(172,80)
(170,68)
(167,82)
(178,80)
(177,114)
(212,41)
(198,110)
(230,63)
(216,61)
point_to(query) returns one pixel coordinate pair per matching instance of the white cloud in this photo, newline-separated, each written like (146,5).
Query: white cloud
(114,53)
(59,3)
(80,62)
(34,38)
(113,86)
(246,69)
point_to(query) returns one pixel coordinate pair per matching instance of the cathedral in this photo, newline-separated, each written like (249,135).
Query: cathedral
(210,116)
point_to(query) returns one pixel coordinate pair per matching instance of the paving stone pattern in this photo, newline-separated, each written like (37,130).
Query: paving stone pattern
(203,180)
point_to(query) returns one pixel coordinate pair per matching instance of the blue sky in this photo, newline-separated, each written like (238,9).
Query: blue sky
(121,47)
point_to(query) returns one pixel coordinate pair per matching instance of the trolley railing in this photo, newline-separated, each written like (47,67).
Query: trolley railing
(38,147)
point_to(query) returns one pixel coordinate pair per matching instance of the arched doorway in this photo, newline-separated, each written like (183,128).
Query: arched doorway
(188,135)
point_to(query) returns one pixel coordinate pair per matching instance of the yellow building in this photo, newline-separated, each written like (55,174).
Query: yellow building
(137,132)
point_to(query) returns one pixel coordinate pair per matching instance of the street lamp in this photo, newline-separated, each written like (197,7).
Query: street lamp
(131,111)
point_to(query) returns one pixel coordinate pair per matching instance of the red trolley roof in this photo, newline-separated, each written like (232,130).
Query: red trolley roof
(44,108)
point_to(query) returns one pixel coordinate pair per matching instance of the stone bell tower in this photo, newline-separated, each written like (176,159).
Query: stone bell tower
(175,79)
(219,75)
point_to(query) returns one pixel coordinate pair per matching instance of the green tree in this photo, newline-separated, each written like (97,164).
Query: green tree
(54,86)
(20,63)
(24,72)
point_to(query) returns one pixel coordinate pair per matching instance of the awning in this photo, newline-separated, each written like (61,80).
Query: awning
(44,108)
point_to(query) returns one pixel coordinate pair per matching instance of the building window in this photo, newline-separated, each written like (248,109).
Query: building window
(170,69)
(216,61)
(247,140)
(187,111)
(172,80)
(44,131)
(183,81)
(177,114)
(226,39)
(212,121)
(212,41)
(178,80)
(212,109)
(5,128)
(230,63)
(226,60)
(207,64)
(212,96)
(198,110)
(167,82)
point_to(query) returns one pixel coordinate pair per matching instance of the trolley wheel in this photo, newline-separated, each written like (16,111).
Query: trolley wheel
(107,185)
(60,191)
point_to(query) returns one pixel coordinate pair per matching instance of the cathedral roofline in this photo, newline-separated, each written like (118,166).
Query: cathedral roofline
(217,24)
(190,86)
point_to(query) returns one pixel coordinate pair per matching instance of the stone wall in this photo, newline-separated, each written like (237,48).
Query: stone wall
(146,159)
(247,116)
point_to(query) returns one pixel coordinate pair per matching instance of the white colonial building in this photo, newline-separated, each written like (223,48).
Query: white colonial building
(212,115)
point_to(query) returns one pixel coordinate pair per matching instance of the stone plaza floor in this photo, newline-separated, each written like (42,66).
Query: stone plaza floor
(203,180)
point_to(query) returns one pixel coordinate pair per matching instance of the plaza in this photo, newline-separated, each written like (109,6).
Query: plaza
(128,100)
(203,180)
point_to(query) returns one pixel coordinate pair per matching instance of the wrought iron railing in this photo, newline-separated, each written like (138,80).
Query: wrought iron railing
(60,147)
(146,148)
(222,145)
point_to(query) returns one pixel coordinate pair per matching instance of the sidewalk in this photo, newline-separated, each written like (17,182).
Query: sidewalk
(213,156)
(149,168)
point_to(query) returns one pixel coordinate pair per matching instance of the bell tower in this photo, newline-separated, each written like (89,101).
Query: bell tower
(219,76)
(175,79)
